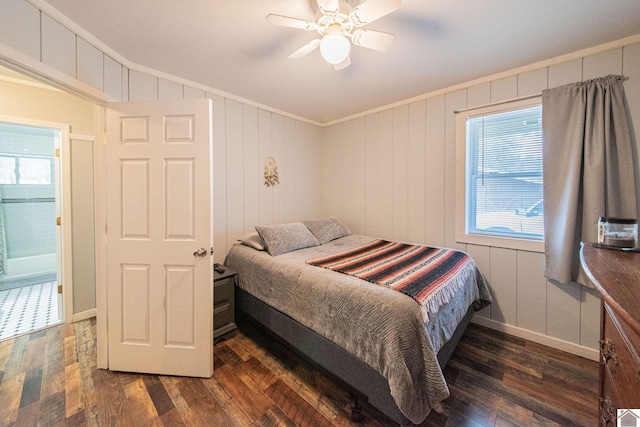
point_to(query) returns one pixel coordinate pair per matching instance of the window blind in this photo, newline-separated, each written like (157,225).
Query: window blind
(504,173)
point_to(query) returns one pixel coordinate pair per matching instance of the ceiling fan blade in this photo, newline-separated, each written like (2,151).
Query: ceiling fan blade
(344,64)
(371,10)
(306,49)
(328,7)
(287,21)
(371,39)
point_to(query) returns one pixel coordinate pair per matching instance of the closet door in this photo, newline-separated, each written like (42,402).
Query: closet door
(159,237)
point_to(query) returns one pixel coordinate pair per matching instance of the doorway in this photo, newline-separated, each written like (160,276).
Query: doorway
(30,240)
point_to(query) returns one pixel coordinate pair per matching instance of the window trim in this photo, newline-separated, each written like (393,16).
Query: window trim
(461,168)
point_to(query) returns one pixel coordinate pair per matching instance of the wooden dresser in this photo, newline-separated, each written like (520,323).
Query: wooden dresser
(616,275)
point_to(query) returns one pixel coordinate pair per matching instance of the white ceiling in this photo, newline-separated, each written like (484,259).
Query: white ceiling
(228,45)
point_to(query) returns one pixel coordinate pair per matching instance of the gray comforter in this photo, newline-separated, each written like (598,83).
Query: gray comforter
(382,327)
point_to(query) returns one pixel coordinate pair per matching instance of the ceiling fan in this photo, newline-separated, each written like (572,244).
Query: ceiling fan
(337,22)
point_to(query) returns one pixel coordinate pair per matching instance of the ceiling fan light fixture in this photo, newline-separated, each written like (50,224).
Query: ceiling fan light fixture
(334,46)
(338,22)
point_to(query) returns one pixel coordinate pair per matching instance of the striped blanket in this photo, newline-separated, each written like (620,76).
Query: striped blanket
(428,275)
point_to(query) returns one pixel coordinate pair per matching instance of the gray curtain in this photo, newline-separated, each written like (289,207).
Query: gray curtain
(588,168)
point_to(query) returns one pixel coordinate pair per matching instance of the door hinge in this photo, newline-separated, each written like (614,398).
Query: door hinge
(58,221)
(59,289)
(57,152)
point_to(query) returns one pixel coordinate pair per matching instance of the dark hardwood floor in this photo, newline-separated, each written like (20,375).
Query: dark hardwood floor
(49,378)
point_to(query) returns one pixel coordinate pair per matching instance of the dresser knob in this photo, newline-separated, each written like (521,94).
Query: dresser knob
(608,351)
(638,375)
(606,411)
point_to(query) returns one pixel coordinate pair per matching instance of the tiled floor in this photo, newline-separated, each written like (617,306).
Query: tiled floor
(28,308)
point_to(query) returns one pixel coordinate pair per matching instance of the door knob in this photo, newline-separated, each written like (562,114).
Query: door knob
(202,252)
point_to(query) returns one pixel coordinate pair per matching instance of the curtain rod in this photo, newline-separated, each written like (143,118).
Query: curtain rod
(506,101)
(523,98)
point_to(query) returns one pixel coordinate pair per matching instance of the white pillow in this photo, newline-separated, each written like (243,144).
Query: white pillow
(253,240)
(327,229)
(283,238)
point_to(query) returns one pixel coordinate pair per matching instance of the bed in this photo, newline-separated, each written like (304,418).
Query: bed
(376,339)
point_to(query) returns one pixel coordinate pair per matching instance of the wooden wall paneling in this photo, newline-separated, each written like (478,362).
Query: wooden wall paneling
(359,170)
(564,73)
(385,180)
(314,141)
(531,295)
(193,93)
(277,152)
(563,311)
(372,176)
(142,86)
(400,143)
(58,46)
(590,307)
(265,149)
(479,95)
(346,163)
(504,89)
(454,101)
(235,172)
(305,191)
(482,256)
(315,159)
(532,82)
(112,78)
(220,169)
(287,175)
(503,285)
(602,64)
(252,167)
(169,90)
(90,68)
(416,172)
(434,171)
(20,27)
(329,163)
(336,164)
(312,169)
(631,69)
(125,84)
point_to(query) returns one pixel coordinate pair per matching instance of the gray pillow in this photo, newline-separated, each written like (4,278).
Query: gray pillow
(283,238)
(327,229)
(253,240)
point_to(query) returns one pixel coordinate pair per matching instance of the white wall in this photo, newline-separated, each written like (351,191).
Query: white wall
(391,173)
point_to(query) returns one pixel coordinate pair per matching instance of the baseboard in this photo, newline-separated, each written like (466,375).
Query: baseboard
(558,344)
(88,314)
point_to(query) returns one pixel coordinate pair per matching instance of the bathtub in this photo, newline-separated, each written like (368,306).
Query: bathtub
(29,266)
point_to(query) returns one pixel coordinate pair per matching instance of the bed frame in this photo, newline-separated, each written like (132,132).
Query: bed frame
(334,358)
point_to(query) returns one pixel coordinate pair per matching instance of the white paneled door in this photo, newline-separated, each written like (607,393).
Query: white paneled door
(159,237)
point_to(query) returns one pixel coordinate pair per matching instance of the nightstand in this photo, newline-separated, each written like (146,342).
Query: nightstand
(223,303)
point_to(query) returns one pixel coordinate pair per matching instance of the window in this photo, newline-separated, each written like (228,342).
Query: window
(500,176)
(25,170)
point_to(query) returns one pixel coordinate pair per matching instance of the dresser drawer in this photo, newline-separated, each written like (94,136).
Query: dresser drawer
(223,290)
(222,315)
(609,402)
(621,362)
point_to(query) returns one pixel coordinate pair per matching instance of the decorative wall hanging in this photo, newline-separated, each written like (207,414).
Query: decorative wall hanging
(270,172)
